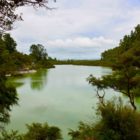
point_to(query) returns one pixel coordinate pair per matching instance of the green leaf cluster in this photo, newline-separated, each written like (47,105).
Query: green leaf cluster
(125,60)
(10,59)
(40,57)
(128,49)
(36,131)
(8,98)
(117,122)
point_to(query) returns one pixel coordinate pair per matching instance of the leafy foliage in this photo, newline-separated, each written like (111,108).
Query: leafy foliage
(8,98)
(126,65)
(10,43)
(38,52)
(39,56)
(117,122)
(84,132)
(36,131)
(13,135)
(128,49)
(123,80)
(10,59)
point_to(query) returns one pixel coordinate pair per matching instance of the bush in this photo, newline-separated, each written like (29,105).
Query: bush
(117,122)
(38,131)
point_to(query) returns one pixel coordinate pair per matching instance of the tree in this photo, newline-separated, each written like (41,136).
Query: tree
(3,53)
(13,135)
(38,131)
(10,59)
(10,43)
(74,134)
(84,132)
(128,43)
(53,133)
(38,53)
(8,7)
(118,122)
(124,80)
(8,98)
(125,77)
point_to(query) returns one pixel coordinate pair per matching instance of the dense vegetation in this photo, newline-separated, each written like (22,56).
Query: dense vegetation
(117,122)
(39,57)
(11,60)
(8,97)
(128,50)
(126,75)
(36,131)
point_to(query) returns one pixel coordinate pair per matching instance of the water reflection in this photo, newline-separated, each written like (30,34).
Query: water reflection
(39,79)
(14,82)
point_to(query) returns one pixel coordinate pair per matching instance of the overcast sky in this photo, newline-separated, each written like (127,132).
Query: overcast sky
(77,29)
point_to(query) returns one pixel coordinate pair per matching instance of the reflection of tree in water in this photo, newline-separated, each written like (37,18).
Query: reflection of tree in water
(39,79)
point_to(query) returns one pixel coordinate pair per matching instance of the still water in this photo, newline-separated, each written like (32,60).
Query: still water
(59,96)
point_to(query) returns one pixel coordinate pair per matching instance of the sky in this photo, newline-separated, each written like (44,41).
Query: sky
(76,29)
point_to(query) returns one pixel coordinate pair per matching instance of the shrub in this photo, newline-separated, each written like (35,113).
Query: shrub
(117,122)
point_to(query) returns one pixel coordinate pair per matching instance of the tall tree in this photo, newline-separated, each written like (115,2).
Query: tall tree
(10,43)
(124,80)
(38,131)
(128,43)
(126,65)
(38,52)
(8,97)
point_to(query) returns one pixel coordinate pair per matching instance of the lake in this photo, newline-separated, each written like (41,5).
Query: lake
(59,96)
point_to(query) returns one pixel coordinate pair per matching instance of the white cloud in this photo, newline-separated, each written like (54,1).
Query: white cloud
(82,42)
(75,48)
(77,23)
(79,48)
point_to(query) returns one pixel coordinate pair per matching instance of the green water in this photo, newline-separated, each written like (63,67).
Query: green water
(60,96)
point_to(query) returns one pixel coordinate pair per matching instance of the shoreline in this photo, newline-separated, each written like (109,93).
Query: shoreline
(21,72)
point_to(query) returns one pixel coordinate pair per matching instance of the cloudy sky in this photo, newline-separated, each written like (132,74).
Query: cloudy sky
(77,29)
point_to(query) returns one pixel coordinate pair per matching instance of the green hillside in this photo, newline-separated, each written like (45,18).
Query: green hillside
(128,49)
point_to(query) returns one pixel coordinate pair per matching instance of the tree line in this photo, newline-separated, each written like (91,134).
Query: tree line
(12,60)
